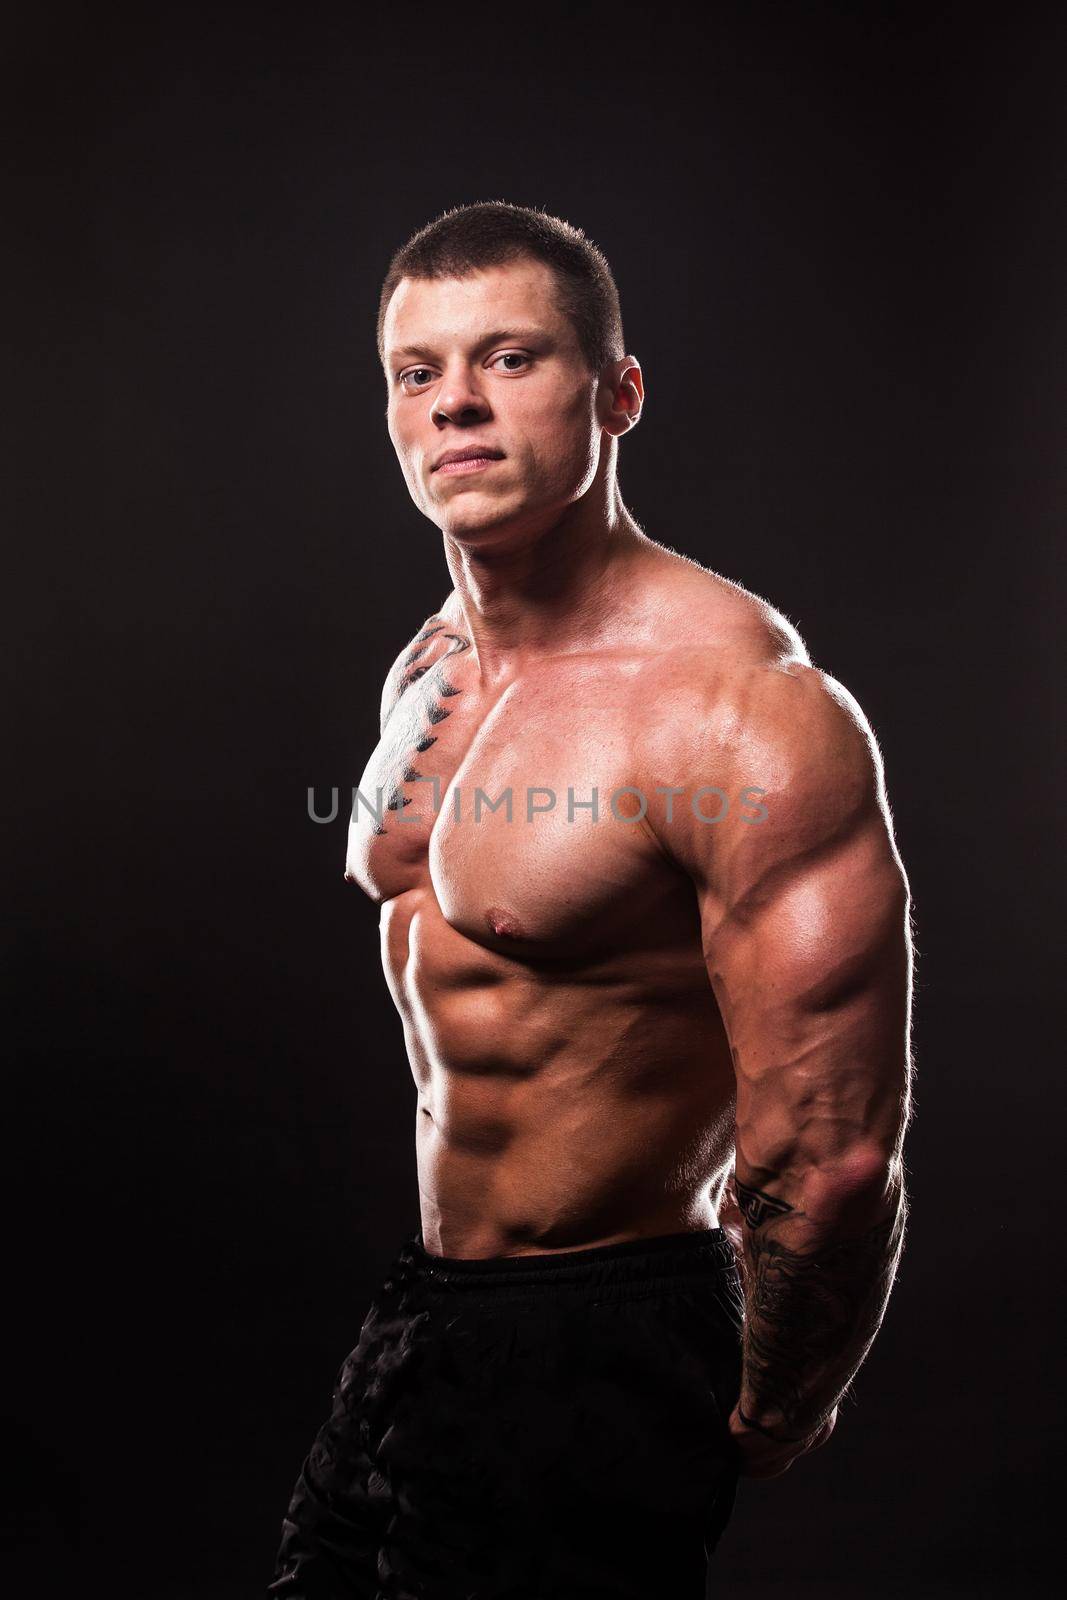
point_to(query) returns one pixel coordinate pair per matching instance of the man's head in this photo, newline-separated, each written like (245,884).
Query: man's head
(500,327)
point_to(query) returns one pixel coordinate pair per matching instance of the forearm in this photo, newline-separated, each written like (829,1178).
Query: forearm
(818,1273)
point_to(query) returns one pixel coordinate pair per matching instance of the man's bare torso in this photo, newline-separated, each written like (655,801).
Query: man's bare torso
(574,1078)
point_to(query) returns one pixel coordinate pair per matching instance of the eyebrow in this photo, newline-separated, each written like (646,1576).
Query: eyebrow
(500,336)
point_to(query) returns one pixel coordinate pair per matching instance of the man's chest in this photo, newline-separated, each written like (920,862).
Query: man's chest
(520,807)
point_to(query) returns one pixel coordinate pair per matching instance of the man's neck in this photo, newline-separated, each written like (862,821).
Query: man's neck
(556,592)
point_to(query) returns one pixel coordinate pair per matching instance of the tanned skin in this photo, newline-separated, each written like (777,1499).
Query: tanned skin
(629,1025)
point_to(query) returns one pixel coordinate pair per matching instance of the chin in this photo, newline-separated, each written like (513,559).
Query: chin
(472,522)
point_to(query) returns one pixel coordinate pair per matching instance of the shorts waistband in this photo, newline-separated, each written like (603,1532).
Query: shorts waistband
(664,1256)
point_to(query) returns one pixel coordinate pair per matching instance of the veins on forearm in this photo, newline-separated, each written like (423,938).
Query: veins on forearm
(813,1306)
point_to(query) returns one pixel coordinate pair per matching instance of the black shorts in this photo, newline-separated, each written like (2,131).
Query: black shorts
(548,1427)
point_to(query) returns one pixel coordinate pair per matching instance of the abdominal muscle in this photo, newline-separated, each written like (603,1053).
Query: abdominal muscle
(559,1107)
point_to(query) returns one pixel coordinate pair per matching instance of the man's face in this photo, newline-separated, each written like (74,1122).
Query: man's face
(490,361)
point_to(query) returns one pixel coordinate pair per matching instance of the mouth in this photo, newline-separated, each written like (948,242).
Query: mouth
(473,459)
(453,469)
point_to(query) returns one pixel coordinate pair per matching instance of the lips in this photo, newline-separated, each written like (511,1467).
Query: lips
(471,452)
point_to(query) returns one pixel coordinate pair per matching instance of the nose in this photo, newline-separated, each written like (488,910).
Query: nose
(459,400)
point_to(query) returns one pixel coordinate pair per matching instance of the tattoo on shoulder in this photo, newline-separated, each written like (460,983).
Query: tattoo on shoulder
(413,670)
(438,689)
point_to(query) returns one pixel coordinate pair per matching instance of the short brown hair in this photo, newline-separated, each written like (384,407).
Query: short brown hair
(493,233)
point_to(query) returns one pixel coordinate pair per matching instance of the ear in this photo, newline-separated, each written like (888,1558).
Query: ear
(621,396)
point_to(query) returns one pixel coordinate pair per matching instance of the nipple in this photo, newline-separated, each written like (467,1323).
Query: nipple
(503,924)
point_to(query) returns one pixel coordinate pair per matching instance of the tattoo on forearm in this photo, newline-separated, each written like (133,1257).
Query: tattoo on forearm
(755,1206)
(811,1313)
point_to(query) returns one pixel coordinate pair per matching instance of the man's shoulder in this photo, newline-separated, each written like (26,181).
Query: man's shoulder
(717,651)
(702,620)
(735,689)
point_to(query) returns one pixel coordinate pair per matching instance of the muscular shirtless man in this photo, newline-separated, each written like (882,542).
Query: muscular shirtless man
(647,929)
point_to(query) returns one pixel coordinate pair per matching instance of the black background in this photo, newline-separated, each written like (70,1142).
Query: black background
(839,239)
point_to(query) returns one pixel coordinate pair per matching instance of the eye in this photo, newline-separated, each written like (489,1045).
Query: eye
(414,373)
(511,355)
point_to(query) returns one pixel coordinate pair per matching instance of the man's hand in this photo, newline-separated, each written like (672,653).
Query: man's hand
(760,1456)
